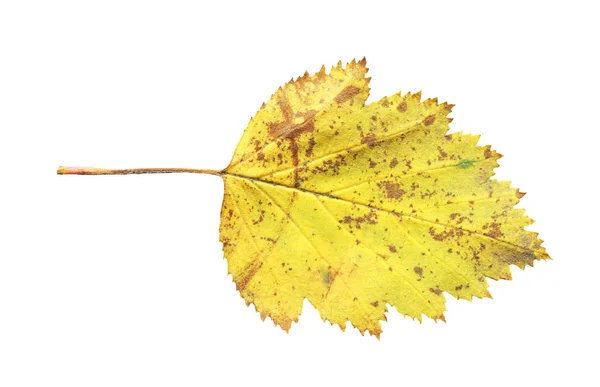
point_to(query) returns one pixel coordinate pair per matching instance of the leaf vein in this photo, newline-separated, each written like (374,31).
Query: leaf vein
(472,232)
(416,290)
(357,147)
(338,190)
(321,255)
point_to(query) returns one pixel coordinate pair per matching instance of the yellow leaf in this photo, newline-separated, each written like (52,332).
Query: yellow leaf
(356,206)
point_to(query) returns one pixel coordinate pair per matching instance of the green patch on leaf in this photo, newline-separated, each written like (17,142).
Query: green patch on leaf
(466,163)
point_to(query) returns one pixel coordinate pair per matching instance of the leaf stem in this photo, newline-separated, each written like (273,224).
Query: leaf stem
(133,171)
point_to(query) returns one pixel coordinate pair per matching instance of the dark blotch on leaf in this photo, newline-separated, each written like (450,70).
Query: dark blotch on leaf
(346,94)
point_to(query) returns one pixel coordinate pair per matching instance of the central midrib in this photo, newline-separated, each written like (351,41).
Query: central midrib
(473,232)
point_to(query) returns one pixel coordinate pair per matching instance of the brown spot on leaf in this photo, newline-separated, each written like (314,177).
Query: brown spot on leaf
(226,241)
(392,190)
(369,139)
(328,275)
(289,130)
(487,153)
(260,156)
(418,270)
(294,148)
(347,93)
(392,248)
(269,239)
(451,233)
(394,162)
(370,218)
(311,147)
(519,258)
(436,291)
(402,107)
(443,154)
(261,217)
(429,120)
(494,230)
(375,304)
(249,272)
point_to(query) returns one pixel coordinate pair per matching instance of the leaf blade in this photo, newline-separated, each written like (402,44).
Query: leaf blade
(364,206)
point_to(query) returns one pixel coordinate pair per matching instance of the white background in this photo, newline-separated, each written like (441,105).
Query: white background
(120,280)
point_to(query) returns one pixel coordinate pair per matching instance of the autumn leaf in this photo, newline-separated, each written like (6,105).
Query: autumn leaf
(355,206)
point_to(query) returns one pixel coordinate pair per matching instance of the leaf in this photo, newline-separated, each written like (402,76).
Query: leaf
(356,206)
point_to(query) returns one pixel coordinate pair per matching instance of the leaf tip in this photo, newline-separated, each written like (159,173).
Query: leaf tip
(263,315)
(285,325)
(375,333)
